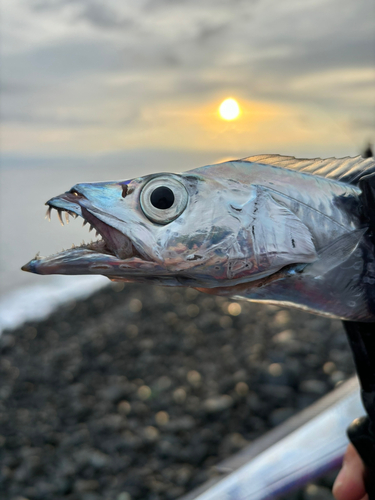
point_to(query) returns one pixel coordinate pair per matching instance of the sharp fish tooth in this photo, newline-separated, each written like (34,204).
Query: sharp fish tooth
(97,233)
(91,228)
(67,217)
(48,214)
(84,222)
(59,216)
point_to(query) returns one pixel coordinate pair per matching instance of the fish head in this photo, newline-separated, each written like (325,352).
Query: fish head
(188,229)
(167,228)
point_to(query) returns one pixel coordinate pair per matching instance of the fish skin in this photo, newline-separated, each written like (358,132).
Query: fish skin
(267,232)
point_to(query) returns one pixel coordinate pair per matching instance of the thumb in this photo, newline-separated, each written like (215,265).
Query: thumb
(350,484)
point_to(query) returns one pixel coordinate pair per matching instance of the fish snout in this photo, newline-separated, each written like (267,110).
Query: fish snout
(98,192)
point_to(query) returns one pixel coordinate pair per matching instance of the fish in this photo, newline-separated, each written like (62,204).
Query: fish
(268,228)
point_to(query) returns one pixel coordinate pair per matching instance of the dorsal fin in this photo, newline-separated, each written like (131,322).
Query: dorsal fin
(347,169)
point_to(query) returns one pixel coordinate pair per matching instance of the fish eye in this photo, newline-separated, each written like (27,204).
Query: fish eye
(163,199)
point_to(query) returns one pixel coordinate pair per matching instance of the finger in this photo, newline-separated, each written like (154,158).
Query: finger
(349,484)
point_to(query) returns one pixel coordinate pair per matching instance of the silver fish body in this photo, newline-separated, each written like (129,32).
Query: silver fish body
(268,228)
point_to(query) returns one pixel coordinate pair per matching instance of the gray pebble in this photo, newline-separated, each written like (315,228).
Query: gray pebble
(313,386)
(279,415)
(315,492)
(217,404)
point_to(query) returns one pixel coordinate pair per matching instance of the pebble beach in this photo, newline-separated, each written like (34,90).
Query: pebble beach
(137,392)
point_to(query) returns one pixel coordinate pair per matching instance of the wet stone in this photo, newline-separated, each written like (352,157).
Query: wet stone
(313,387)
(184,423)
(124,495)
(217,404)
(279,415)
(82,485)
(315,492)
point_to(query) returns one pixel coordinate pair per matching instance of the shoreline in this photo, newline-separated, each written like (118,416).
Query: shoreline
(37,302)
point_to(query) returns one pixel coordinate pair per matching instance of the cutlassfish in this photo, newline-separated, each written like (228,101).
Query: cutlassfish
(267,228)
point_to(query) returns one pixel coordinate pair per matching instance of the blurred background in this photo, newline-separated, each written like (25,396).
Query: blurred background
(95,90)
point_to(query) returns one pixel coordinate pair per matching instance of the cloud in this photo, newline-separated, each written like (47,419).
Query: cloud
(97,13)
(108,64)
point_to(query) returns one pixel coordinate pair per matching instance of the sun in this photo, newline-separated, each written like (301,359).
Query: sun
(229,109)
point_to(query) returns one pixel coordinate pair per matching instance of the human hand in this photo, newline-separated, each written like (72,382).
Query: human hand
(350,483)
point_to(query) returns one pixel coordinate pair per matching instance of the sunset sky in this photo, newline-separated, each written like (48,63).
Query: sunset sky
(83,77)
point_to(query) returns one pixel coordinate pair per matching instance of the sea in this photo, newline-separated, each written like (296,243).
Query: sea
(25,185)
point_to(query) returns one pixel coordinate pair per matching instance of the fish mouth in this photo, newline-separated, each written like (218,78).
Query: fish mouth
(112,246)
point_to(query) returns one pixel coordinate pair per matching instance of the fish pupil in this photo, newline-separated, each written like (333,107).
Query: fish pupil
(162,198)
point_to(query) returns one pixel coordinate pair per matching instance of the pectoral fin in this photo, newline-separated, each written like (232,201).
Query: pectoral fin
(278,235)
(335,254)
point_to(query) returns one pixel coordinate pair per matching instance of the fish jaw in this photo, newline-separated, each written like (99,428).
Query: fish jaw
(132,248)
(87,260)
(116,254)
(116,242)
